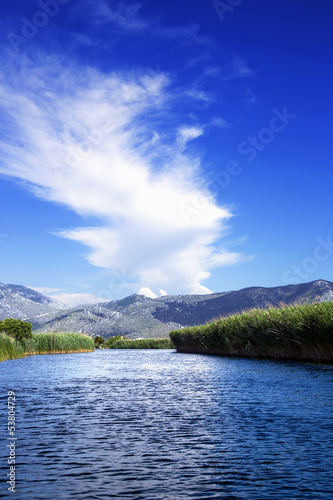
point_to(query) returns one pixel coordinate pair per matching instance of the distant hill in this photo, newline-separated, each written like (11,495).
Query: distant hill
(132,316)
(139,316)
(21,302)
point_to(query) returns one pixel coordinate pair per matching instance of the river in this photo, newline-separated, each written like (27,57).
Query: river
(155,424)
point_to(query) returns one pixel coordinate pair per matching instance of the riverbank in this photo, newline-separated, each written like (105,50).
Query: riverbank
(298,332)
(44,343)
(142,344)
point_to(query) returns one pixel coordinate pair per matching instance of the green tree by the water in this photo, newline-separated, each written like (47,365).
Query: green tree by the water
(112,340)
(99,341)
(16,328)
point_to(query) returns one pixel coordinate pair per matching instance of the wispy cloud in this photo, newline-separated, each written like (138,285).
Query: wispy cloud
(240,68)
(127,18)
(188,133)
(199,95)
(236,68)
(93,143)
(250,96)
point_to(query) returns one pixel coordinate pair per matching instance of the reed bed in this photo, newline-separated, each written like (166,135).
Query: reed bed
(299,332)
(44,343)
(9,348)
(63,342)
(142,344)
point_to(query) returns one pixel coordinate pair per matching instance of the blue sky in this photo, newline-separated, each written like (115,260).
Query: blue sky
(163,147)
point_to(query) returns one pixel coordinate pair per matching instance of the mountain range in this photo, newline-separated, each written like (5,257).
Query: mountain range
(140,316)
(21,302)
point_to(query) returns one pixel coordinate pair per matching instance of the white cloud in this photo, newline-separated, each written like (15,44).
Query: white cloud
(45,290)
(147,292)
(76,299)
(198,289)
(84,140)
(70,299)
(163,293)
(186,134)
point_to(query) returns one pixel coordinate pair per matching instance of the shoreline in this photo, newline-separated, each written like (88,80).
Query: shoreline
(27,354)
(281,357)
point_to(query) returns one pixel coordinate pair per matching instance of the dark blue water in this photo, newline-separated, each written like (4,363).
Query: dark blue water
(161,425)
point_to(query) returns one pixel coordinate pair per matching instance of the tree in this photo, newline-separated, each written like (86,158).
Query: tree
(111,340)
(99,341)
(16,328)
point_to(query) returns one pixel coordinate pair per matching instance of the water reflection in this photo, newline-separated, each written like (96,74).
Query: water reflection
(161,425)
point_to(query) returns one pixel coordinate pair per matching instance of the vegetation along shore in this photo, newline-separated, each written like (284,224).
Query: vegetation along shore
(18,341)
(298,332)
(141,344)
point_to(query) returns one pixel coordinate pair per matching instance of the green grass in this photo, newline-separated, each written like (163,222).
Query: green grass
(142,344)
(44,343)
(302,332)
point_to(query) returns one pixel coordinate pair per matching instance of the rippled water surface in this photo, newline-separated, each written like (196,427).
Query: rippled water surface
(161,425)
